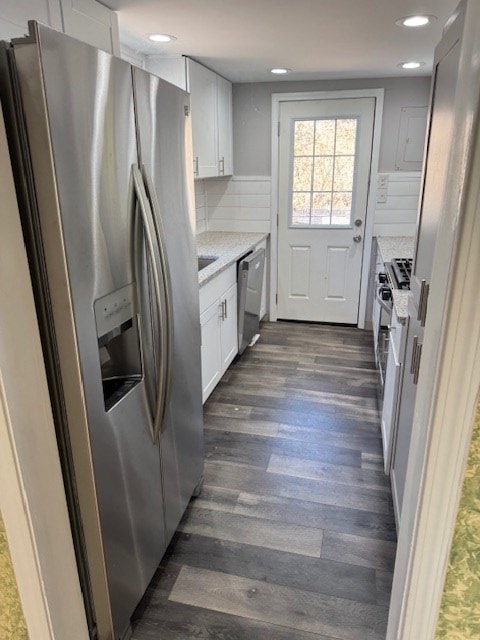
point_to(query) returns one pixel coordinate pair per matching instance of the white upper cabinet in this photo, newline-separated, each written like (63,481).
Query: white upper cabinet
(170,69)
(202,84)
(211,104)
(86,20)
(225,131)
(91,22)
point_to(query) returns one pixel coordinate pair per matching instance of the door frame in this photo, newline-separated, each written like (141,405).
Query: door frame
(277,99)
(449,380)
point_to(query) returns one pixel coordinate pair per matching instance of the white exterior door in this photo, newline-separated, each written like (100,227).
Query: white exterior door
(324,169)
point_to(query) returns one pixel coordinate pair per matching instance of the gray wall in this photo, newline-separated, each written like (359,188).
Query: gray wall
(252,116)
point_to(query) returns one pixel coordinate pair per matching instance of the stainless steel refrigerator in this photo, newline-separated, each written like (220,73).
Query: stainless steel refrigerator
(103,163)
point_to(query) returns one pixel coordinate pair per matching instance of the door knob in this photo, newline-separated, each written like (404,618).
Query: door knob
(358,222)
(357,238)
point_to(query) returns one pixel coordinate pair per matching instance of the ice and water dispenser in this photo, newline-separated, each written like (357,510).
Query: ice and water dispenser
(118,344)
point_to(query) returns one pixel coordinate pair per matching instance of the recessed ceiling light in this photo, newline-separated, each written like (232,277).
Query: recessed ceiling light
(161,37)
(280,70)
(416,21)
(410,65)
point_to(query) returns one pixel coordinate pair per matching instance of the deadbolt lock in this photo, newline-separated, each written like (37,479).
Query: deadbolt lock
(358,222)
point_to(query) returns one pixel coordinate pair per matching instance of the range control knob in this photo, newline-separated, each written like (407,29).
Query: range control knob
(385,293)
(382,277)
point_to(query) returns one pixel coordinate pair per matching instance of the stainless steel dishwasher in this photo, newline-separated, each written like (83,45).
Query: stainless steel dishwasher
(250,283)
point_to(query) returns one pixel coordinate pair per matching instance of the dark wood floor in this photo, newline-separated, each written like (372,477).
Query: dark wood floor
(293,536)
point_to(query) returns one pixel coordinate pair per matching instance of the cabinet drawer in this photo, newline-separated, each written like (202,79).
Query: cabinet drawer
(397,336)
(214,289)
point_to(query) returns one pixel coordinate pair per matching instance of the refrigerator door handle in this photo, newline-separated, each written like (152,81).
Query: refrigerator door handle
(167,288)
(149,229)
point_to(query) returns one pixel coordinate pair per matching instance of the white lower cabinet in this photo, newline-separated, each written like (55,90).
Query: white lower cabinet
(390,401)
(228,327)
(218,321)
(211,350)
(392,388)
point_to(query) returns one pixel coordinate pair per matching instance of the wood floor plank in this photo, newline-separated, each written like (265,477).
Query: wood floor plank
(176,621)
(216,498)
(366,443)
(384,581)
(251,480)
(257,531)
(253,427)
(334,421)
(303,374)
(284,606)
(366,552)
(278,567)
(316,470)
(297,400)
(227,410)
(373,460)
(301,512)
(317,515)
(256,450)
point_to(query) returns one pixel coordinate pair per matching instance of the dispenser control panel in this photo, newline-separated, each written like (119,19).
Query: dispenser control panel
(114,312)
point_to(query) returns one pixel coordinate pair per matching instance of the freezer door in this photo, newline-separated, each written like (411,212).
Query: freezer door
(79,112)
(164,133)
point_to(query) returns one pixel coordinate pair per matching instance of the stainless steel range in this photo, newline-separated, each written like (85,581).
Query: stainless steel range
(395,277)
(401,270)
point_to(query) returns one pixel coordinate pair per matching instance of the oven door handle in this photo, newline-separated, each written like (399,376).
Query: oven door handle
(387,307)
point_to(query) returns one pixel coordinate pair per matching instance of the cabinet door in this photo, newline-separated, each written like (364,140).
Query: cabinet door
(225,132)
(211,349)
(91,22)
(390,402)
(439,140)
(228,328)
(408,392)
(202,84)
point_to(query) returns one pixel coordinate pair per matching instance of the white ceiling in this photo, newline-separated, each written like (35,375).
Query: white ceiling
(317,39)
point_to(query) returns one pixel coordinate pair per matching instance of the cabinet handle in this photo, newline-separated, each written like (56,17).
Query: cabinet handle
(414,354)
(222,165)
(422,303)
(222,312)
(416,357)
(195,166)
(417,364)
(226,315)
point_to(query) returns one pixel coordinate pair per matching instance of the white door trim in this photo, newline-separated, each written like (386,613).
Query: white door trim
(32,496)
(277,99)
(449,381)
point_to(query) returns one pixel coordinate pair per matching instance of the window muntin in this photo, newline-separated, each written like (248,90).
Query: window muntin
(323,171)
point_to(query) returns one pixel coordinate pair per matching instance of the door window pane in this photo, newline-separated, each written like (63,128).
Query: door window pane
(301,208)
(323,174)
(321,207)
(324,156)
(304,137)
(345,138)
(325,138)
(302,174)
(344,173)
(341,208)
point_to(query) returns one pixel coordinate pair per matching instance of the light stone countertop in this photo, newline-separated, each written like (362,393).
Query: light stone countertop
(400,302)
(227,246)
(397,247)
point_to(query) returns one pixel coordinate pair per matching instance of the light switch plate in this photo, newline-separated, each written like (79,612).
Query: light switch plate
(381,196)
(382,180)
